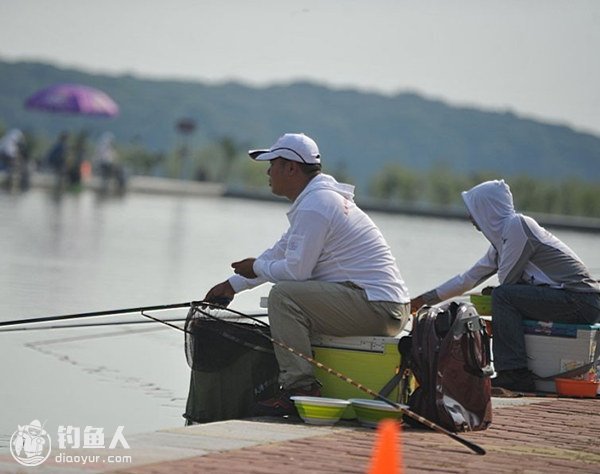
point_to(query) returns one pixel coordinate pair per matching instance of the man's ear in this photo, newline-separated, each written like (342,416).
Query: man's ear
(292,167)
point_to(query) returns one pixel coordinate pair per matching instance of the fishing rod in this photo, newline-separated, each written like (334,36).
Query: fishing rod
(424,421)
(83,325)
(107,323)
(92,314)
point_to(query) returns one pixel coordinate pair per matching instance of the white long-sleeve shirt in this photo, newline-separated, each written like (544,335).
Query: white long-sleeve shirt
(330,239)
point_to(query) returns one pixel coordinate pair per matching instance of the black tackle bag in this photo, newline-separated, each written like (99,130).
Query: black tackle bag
(449,356)
(233,367)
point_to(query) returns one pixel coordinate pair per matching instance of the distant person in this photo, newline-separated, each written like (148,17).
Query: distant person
(110,169)
(13,159)
(333,271)
(79,151)
(540,279)
(10,147)
(57,159)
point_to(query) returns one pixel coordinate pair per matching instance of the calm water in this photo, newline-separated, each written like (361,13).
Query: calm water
(82,254)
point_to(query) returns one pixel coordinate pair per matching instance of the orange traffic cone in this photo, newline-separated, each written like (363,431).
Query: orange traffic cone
(387,453)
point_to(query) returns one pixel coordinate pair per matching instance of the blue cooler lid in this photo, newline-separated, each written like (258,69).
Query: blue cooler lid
(546,328)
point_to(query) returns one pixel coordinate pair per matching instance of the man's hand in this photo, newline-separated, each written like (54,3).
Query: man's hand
(416,303)
(244,268)
(221,294)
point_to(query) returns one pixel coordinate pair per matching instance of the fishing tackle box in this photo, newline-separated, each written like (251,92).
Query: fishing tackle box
(369,360)
(553,348)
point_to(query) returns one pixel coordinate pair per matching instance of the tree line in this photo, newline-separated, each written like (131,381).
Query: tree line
(441,186)
(225,160)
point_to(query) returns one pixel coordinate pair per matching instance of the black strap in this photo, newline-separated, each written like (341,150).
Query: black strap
(397,378)
(392,383)
(475,366)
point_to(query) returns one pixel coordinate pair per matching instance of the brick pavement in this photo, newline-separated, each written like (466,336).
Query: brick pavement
(549,436)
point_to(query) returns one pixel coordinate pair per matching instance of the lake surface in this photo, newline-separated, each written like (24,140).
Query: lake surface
(82,253)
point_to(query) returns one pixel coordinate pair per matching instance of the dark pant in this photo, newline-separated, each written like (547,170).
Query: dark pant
(513,303)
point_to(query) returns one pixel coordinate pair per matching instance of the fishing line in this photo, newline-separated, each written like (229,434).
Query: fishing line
(424,421)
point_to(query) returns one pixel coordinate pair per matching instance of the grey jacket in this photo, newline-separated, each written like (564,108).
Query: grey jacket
(521,251)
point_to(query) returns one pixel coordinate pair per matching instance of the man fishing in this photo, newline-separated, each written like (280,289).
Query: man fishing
(332,270)
(540,278)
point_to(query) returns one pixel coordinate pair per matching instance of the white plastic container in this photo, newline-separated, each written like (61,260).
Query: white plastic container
(553,348)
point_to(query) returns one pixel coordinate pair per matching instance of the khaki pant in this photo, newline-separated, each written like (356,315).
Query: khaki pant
(298,309)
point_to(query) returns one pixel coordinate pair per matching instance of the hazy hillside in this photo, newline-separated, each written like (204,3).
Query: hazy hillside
(360,131)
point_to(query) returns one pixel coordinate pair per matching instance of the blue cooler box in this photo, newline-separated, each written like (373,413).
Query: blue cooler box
(553,348)
(369,360)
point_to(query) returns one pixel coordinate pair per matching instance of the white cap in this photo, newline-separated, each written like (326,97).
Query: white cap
(291,146)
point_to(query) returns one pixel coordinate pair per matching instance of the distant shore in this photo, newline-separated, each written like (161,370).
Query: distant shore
(578,223)
(177,187)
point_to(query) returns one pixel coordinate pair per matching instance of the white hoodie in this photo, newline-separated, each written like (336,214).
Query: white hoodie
(521,250)
(330,239)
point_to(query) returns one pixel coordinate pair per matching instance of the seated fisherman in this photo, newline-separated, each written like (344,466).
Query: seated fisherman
(333,271)
(540,278)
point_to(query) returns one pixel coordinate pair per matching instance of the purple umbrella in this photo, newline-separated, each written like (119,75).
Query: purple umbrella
(74,99)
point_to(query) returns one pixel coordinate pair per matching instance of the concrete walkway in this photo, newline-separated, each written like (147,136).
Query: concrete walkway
(528,435)
(144,184)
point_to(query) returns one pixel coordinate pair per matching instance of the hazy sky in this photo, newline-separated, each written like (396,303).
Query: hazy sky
(539,58)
